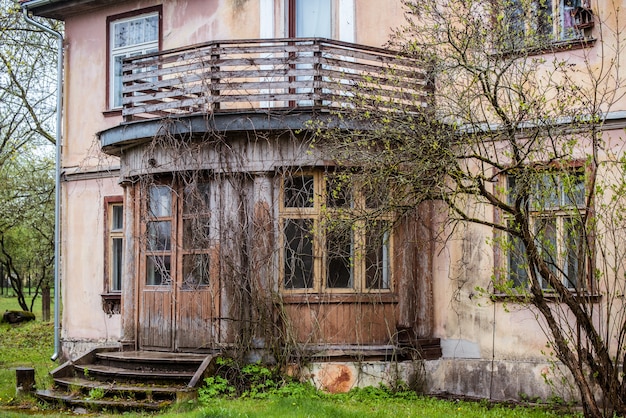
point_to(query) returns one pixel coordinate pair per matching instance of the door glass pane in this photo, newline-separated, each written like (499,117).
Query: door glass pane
(298,254)
(117,221)
(158,270)
(159,236)
(313,18)
(196,233)
(160,201)
(195,270)
(197,199)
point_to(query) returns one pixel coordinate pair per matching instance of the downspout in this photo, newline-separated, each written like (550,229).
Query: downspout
(57,182)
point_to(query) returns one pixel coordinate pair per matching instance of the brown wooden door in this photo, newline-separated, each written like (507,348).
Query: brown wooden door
(178,295)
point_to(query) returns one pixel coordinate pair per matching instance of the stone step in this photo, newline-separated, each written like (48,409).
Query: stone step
(73,400)
(139,391)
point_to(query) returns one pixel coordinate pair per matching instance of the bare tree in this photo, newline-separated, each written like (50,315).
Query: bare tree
(515,139)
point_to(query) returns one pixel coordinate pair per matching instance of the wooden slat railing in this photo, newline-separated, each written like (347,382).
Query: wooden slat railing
(269,73)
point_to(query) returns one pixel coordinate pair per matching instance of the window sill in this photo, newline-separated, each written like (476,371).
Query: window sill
(112,112)
(317,298)
(556,46)
(112,303)
(552,296)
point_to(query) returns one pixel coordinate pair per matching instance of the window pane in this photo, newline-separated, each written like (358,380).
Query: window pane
(117,215)
(160,201)
(338,193)
(299,191)
(546,237)
(518,273)
(573,186)
(158,270)
(136,31)
(117,245)
(197,198)
(377,256)
(574,250)
(298,254)
(339,256)
(159,236)
(313,18)
(196,233)
(195,270)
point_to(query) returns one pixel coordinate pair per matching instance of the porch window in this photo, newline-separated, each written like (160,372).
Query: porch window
(536,22)
(176,214)
(333,239)
(556,205)
(129,36)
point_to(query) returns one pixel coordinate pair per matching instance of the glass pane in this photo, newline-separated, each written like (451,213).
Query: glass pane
(377,256)
(574,190)
(158,270)
(159,236)
(117,217)
(517,268)
(338,193)
(136,31)
(298,254)
(376,196)
(197,198)
(339,256)
(313,18)
(196,233)
(117,246)
(547,192)
(160,201)
(299,191)
(545,230)
(117,80)
(196,270)
(575,255)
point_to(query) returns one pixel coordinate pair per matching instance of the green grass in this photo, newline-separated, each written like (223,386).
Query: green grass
(31,344)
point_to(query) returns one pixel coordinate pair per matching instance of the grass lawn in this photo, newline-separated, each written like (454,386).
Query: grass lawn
(31,344)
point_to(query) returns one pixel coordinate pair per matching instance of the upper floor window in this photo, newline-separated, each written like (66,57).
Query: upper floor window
(333,237)
(129,36)
(556,205)
(537,22)
(310,18)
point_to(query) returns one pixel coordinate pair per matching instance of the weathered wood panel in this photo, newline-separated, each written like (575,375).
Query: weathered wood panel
(195,327)
(156,318)
(358,323)
(268,73)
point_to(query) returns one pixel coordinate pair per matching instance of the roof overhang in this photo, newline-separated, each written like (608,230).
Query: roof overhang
(60,9)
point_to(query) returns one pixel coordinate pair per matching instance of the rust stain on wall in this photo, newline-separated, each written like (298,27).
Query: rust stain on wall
(336,378)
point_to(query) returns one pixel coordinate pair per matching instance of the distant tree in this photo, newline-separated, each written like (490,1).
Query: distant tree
(511,146)
(27,116)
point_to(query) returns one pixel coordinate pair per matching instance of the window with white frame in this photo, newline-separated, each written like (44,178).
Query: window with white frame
(536,22)
(556,206)
(332,238)
(128,37)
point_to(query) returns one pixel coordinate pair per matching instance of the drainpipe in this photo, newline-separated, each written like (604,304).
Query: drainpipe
(57,181)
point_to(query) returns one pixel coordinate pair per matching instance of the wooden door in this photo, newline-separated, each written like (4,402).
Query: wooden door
(178,295)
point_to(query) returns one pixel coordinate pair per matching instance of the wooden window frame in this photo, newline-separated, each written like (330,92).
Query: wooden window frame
(111,297)
(319,213)
(560,213)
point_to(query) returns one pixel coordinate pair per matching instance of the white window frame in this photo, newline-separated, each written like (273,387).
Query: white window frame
(151,45)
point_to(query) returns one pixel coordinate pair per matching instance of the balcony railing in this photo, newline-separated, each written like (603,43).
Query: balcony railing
(249,75)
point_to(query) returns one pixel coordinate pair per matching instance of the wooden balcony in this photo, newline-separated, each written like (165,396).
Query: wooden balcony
(269,75)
